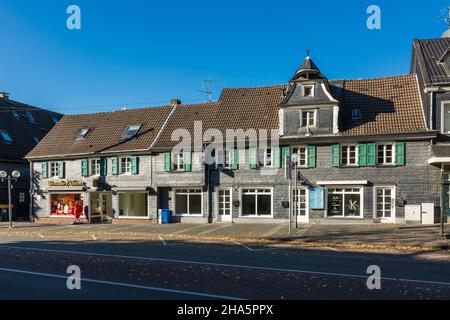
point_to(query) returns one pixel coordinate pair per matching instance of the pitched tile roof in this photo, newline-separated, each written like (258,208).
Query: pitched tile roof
(105,131)
(21,130)
(388,106)
(184,117)
(428,53)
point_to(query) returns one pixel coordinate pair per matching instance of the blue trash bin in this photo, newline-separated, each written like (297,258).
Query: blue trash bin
(165,215)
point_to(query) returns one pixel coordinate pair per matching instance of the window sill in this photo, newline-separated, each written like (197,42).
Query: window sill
(131,217)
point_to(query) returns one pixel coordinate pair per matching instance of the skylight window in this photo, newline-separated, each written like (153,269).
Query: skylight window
(15,114)
(83,133)
(5,136)
(30,117)
(55,120)
(36,140)
(131,131)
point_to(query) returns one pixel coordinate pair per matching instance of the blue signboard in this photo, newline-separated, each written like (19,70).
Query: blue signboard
(316,198)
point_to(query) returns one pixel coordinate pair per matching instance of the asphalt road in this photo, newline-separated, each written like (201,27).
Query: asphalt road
(32,269)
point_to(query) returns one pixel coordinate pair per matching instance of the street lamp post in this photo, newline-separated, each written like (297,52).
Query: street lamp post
(14,175)
(295,199)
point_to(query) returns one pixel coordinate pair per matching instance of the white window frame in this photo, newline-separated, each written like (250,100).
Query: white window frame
(311,86)
(218,211)
(256,216)
(361,194)
(305,165)
(82,133)
(30,117)
(178,165)
(294,195)
(53,167)
(223,159)
(392,218)
(188,192)
(443,105)
(356,114)
(384,144)
(267,156)
(127,167)
(348,155)
(308,112)
(95,167)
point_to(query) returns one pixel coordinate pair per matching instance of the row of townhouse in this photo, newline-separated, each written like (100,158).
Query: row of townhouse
(364,152)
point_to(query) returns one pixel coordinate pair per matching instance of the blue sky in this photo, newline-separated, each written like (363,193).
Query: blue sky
(137,53)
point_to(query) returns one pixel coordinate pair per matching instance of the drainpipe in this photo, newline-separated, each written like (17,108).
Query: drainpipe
(431,110)
(31,205)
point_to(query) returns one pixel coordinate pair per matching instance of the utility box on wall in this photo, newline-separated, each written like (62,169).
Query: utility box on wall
(413,213)
(428,213)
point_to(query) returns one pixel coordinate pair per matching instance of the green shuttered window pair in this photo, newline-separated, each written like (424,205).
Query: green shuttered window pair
(311,156)
(367,154)
(187,162)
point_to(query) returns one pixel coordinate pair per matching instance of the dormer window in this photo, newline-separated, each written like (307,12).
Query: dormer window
(30,117)
(83,133)
(55,120)
(308,91)
(36,140)
(5,136)
(308,118)
(15,115)
(131,131)
(356,114)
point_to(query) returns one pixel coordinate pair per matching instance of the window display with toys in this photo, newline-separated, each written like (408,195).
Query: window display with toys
(64,204)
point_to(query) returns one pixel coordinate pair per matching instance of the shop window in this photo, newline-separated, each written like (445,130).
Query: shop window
(385,154)
(344,202)
(256,202)
(133,204)
(63,204)
(95,167)
(188,201)
(125,165)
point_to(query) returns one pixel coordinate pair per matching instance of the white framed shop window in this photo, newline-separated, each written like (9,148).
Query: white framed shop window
(188,202)
(256,202)
(345,202)
(133,205)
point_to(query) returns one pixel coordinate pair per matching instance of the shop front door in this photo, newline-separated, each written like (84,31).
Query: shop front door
(101,207)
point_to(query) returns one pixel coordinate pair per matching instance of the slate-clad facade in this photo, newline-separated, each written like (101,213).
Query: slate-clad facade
(336,150)
(22,127)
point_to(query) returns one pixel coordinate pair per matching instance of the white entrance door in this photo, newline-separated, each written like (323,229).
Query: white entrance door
(300,204)
(224,205)
(384,204)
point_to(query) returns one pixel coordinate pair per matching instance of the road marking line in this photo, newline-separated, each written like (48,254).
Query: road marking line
(243,245)
(163,241)
(217,264)
(216,228)
(128,285)
(94,237)
(41,236)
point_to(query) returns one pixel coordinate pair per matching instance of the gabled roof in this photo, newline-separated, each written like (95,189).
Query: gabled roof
(105,133)
(388,106)
(429,53)
(184,118)
(21,130)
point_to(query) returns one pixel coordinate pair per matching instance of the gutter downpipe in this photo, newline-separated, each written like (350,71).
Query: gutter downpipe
(31,193)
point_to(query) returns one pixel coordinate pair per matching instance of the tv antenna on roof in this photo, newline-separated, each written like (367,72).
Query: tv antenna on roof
(445,17)
(207,88)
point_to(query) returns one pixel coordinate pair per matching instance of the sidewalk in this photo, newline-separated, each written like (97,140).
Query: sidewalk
(374,237)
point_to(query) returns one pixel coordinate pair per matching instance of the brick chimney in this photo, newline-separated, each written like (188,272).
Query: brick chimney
(175,102)
(4,95)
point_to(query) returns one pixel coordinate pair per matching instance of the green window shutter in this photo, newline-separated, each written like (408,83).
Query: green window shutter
(167,162)
(134,165)
(84,168)
(336,155)
(276,156)
(371,154)
(187,163)
(234,156)
(311,151)
(362,155)
(253,158)
(103,168)
(61,170)
(285,153)
(400,153)
(44,170)
(115,166)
